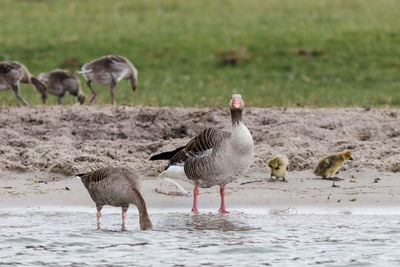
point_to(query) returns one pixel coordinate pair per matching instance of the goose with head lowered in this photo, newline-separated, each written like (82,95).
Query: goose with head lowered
(109,70)
(60,82)
(118,187)
(215,156)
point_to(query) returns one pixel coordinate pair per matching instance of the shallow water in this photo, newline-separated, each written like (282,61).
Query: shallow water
(68,238)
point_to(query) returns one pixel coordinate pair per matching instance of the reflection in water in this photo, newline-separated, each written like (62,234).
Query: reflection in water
(71,239)
(206,221)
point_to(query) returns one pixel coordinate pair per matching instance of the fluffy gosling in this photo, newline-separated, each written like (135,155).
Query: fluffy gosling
(279,166)
(109,70)
(12,73)
(60,82)
(329,165)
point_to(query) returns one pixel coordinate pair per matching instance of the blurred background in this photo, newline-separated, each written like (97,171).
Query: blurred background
(309,53)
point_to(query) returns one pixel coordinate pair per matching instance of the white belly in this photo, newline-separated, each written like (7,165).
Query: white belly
(235,159)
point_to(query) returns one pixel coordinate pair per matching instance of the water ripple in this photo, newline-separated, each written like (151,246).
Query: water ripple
(71,239)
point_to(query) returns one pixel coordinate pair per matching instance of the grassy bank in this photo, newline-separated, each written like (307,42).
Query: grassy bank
(196,53)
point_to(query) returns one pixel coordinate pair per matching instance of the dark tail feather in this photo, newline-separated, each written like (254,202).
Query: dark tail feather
(166,155)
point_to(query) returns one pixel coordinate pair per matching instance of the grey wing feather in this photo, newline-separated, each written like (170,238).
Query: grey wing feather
(99,175)
(105,63)
(202,143)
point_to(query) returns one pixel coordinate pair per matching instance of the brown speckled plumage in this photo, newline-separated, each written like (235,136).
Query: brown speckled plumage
(117,187)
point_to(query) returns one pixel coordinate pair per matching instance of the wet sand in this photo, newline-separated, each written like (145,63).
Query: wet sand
(43,147)
(303,192)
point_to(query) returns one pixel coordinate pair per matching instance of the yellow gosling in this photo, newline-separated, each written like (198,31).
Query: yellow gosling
(279,166)
(329,165)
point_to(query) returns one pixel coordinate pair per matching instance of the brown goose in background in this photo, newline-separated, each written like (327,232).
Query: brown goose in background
(12,73)
(59,82)
(109,70)
(215,157)
(116,187)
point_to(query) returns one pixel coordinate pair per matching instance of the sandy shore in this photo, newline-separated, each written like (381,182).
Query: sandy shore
(42,147)
(303,192)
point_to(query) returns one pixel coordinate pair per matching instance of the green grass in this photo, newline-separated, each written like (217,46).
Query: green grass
(177,48)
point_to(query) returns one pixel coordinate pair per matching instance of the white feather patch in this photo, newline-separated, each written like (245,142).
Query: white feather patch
(175,172)
(83,71)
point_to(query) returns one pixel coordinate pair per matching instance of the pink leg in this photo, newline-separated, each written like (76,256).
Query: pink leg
(222,209)
(195,194)
(98,219)
(123,219)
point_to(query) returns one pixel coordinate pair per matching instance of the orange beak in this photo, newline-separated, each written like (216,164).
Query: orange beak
(236,103)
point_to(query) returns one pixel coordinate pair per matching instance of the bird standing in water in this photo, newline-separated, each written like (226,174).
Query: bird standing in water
(116,187)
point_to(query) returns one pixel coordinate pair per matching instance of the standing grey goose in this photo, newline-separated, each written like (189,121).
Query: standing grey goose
(59,82)
(12,73)
(109,70)
(215,157)
(116,187)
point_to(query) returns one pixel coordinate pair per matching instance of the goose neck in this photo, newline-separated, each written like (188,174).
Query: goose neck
(144,220)
(236,115)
